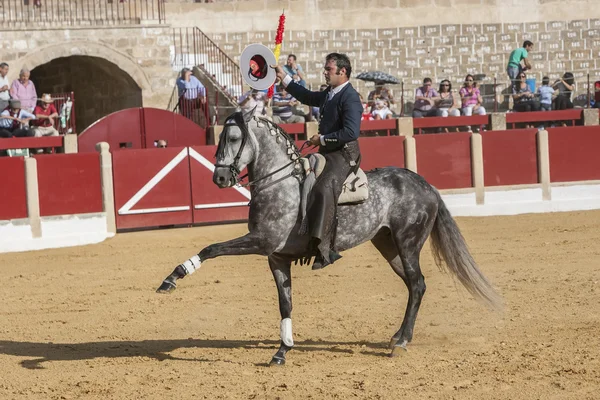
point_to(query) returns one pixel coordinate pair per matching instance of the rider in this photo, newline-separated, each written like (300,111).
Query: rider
(339,128)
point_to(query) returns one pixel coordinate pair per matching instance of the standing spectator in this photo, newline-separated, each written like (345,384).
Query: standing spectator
(23,89)
(192,93)
(523,97)
(565,86)
(380,92)
(45,115)
(546,92)
(294,70)
(471,98)
(514,67)
(446,103)
(425,100)
(253,100)
(282,108)
(14,121)
(4,88)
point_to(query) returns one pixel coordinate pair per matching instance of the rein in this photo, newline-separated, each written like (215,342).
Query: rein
(234,168)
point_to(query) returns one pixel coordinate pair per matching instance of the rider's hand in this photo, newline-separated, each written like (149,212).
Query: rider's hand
(279,71)
(315,140)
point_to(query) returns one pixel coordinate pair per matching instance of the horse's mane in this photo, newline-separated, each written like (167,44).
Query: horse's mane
(238,118)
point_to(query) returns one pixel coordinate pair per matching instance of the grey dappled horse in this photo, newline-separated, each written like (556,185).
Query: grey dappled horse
(401,212)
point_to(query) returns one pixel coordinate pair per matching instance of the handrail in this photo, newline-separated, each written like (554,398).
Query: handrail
(192,46)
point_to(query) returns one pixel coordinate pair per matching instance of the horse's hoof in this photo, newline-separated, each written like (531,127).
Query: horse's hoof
(166,287)
(276,361)
(399,350)
(392,344)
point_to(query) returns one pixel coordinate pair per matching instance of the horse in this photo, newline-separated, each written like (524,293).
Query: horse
(401,212)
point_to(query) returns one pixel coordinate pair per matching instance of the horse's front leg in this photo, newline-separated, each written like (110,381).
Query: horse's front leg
(280,267)
(247,244)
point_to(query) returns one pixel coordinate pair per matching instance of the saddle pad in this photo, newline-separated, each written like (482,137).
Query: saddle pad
(356,188)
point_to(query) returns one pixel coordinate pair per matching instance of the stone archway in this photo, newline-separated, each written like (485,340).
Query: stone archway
(103,79)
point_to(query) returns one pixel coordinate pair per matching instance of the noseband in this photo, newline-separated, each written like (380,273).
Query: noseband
(238,121)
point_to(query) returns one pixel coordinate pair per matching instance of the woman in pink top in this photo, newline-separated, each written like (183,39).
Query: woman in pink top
(23,89)
(471,98)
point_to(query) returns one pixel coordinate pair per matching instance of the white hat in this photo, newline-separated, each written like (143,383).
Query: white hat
(255,63)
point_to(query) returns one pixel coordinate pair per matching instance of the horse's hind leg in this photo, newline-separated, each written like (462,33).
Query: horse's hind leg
(403,256)
(280,267)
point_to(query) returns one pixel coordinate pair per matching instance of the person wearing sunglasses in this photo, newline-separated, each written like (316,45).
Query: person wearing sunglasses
(524,99)
(471,98)
(425,97)
(446,102)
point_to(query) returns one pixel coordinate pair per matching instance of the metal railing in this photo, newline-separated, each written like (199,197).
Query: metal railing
(193,48)
(192,104)
(80,12)
(65,123)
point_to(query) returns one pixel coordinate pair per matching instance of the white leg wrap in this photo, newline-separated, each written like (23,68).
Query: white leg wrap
(191,265)
(286,332)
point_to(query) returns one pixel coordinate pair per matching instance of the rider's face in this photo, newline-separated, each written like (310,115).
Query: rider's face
(332,76)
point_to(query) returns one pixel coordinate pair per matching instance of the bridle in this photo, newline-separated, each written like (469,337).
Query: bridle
(238,121)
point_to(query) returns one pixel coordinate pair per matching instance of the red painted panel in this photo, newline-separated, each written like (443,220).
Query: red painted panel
(69,184)
(541,116)
(141,127)
(441,122)
(175,128)
(12,188)
(574,153)
(31,142)
(510,157)
(379,152)
(212,204)
(444,160)
(135,169)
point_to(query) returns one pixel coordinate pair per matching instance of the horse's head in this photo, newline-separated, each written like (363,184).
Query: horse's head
(235,150)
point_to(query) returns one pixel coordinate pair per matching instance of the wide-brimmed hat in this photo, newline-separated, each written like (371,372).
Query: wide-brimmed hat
(255,62)
(46,98)
(15,103)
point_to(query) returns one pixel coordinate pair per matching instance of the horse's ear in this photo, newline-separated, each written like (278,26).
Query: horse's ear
(248,115)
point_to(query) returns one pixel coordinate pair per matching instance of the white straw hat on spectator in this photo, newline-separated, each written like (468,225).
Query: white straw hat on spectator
(46,98)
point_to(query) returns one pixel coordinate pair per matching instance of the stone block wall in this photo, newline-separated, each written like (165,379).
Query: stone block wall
(112,65)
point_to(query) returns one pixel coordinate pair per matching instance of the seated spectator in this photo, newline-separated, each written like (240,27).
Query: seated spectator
(471,98)
(282,108)
(446,103)
(45,115)
(294,70)
(14,121)
(366,115)
(545,92)
(380,92)
(161,144)
(596,101)
(23,89)
(254,100)
(425,100)
(382,111)
(524,99)
(565,86)
(192,94)
(4,88)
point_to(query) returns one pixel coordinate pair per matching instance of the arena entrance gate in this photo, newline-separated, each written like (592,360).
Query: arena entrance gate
(172,186)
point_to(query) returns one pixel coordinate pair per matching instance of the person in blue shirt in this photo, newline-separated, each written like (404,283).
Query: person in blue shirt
(546,92)
(14,121)
(192,93)
(294,70)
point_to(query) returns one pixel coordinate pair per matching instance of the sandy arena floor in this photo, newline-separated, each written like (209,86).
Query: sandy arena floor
(85,322)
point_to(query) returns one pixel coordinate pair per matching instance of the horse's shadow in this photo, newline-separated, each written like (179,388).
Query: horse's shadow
(157,349)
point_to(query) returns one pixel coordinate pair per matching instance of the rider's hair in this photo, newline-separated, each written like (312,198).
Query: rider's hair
(341,61)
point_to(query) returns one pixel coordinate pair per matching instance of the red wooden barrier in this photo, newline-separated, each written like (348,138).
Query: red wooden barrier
(138,128)
(296,131)
(378,152)
(387,127)
(444,160)
(31,142)
(212,204)
(152,187)
(12,188)
(510,157)
(574,153)
(69,184)
(448,122)
(572,115)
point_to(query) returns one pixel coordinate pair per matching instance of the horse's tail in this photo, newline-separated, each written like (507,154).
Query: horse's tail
(450,249)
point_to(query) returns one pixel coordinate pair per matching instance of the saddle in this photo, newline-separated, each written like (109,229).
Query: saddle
(355,189)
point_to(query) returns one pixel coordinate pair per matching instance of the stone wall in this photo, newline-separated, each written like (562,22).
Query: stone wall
(137,58)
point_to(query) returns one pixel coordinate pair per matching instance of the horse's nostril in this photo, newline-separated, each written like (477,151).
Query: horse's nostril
(221,179)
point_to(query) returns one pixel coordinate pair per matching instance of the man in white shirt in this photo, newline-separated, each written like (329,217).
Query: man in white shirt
(14,121)
(4,86)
